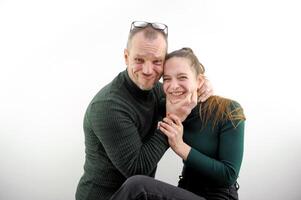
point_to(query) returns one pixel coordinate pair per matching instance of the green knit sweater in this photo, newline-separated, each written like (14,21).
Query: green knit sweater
(121,137)
(216,154)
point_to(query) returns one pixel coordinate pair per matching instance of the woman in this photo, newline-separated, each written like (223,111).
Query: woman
(210,140)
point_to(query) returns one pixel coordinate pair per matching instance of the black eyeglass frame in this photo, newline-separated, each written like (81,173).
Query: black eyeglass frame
(155,25)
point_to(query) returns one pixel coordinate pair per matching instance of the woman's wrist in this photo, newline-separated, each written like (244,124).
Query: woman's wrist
(183,150)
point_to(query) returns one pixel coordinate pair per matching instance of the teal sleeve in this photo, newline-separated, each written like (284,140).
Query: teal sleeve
(224,170)
(116,129)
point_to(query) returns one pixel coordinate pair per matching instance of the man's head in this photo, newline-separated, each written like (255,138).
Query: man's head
(145,54)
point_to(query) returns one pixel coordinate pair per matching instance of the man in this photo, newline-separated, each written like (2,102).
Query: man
(120,123)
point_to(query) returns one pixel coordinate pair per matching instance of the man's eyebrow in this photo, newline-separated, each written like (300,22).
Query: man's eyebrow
(155,57)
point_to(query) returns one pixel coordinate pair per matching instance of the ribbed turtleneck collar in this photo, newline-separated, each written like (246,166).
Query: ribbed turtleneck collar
(134,89)
(195,112)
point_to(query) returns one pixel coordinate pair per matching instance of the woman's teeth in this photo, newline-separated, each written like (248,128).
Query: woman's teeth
(177,93)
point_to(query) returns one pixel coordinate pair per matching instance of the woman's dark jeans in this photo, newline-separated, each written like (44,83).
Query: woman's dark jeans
(211,193)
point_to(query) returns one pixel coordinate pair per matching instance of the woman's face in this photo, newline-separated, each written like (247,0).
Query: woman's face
(179,79)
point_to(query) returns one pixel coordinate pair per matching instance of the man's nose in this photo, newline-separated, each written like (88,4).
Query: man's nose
(147,68)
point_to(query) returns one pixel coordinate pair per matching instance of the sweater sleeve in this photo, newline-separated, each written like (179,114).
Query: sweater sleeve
(225,169)
(116,130)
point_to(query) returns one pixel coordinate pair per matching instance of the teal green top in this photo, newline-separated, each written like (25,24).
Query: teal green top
(216,153)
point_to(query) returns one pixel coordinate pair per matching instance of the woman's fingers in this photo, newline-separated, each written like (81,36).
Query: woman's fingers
(167,126)
(168,120)
(165,129)
(174,118)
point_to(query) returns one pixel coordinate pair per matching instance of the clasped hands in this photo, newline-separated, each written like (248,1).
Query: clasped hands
(177,111)
(171,126)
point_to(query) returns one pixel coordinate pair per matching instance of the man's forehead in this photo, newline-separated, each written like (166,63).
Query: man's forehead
(140,39)
(156,55)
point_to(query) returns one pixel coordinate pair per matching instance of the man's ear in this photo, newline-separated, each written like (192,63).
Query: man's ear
(126,56)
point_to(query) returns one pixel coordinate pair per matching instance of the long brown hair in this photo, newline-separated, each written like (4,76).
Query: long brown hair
(216,109)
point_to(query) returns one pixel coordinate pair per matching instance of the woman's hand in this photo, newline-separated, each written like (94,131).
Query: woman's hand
(172,127)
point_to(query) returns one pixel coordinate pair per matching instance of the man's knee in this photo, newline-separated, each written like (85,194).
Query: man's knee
(136,181)
(134,186)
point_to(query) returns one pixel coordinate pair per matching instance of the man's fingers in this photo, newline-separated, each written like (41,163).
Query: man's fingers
(206,95)
(203,78)
(194,97)
(203,89)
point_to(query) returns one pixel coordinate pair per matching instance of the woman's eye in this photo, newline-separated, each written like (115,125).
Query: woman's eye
(182,77)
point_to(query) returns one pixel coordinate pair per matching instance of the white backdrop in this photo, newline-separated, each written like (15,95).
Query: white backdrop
(55,55)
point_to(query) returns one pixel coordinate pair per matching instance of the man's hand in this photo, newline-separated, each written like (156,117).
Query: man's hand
(182,108)
(205,89)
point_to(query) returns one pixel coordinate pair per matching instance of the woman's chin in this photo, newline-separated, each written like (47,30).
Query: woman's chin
(175,100)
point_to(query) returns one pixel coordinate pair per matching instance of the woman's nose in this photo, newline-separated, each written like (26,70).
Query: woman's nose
(174,84)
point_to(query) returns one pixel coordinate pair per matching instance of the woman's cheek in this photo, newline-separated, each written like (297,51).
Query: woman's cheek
(164,87)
